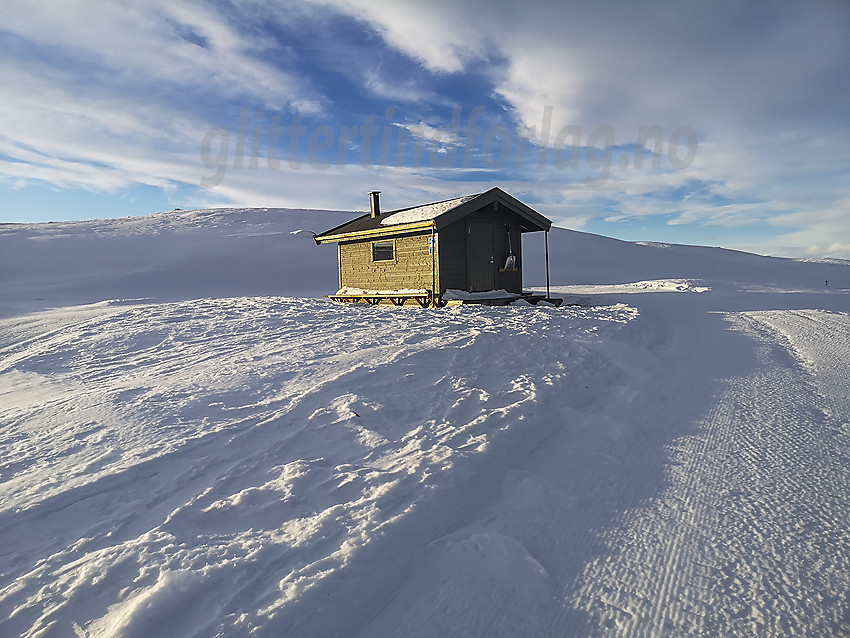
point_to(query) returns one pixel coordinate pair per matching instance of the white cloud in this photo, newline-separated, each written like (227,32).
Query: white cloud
(429,32)
(91,139)
(398,89)
(824,232)
(760,85)
(423,131)
(838,250)
(99,106)
(165,45)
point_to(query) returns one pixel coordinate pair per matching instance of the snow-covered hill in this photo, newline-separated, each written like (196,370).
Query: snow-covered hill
(168,256)
(227,252)
(194,443)
(578,257)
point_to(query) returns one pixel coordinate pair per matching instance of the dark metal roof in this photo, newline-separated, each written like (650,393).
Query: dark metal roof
(440,213)
(364,222)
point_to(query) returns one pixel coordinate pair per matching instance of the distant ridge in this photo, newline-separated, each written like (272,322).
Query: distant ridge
(227,252)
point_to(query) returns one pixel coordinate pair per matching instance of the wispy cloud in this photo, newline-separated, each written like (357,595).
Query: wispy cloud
(163,46)
(106,95)
(760,84)
(120,93)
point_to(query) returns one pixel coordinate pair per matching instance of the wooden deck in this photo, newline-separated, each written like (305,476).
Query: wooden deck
(395,298)
(426,299)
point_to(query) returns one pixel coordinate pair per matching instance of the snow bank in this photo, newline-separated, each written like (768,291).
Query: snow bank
(452,293)
(658,285)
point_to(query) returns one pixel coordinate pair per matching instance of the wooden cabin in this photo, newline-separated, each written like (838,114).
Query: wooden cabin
(471,244)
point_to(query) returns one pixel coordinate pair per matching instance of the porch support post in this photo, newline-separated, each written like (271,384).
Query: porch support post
(546,241)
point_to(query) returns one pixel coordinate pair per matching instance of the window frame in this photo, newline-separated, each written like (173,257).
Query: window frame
(387,243)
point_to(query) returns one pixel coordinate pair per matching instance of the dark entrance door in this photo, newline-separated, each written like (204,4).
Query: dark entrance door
(480,262)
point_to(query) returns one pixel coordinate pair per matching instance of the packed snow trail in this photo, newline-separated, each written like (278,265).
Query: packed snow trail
(752,536)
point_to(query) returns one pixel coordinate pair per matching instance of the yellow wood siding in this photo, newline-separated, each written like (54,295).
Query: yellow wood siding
(411,267)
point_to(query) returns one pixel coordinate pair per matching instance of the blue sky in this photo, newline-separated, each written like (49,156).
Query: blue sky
(722,123)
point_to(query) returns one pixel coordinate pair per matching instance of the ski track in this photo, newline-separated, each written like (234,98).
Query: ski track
(751,538)
(194,456)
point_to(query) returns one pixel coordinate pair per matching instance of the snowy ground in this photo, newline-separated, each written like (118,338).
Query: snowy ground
(193,462)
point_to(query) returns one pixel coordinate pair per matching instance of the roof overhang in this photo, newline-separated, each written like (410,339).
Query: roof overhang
(534,220)
(382,231)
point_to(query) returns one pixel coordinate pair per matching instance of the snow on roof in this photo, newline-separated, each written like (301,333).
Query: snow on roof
(426,212)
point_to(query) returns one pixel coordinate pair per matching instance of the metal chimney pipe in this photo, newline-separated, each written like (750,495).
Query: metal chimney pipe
(375,201)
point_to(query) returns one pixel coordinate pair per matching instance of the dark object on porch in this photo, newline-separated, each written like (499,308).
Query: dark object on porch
(470,243)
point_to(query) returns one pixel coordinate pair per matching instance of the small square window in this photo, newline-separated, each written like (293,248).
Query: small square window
(383,251)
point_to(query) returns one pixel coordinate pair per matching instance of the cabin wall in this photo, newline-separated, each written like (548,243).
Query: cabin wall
(451,247)
(412,264)
(411,268)
(453,256)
